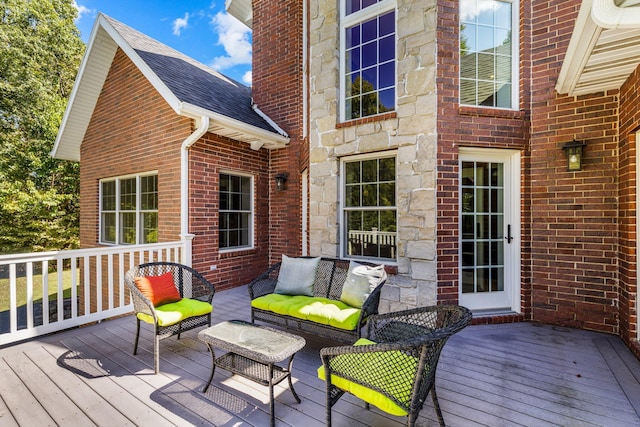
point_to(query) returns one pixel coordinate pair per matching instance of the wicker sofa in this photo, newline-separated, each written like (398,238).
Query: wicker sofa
(334,305)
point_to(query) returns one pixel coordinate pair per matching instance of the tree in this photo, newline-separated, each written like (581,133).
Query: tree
(40,51)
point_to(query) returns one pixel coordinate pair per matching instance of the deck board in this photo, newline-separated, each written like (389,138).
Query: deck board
(490,375)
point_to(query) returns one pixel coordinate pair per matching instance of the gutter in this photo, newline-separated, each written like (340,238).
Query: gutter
(202,127)
(606,14)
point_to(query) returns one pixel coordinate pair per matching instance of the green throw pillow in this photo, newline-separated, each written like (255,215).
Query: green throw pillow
(296,276)
(361,280)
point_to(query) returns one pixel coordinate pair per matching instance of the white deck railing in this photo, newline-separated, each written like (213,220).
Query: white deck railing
(94,279)
(373,237)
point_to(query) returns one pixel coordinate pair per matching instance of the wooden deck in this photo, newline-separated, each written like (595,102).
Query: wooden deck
(503,375)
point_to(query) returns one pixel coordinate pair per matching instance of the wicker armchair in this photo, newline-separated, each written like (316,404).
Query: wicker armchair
(194,310)
(395,368)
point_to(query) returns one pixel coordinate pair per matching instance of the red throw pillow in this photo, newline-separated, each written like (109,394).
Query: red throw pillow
(159,289)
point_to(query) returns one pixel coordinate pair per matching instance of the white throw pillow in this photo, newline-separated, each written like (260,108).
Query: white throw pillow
(361,280)
(296,276)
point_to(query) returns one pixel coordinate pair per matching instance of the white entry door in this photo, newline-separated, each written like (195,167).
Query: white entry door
(490,229)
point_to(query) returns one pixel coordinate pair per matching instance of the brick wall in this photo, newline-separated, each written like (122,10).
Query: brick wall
(278,91)
(133,130)
(463,126)
(574,233)
(207,158)
(627,216)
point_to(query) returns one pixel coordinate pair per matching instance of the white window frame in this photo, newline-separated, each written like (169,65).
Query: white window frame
(118,211)
(515,60)
(343,209)
(347,21)
(251,212)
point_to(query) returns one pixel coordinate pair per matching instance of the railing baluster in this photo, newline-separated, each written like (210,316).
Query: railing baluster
(121,278)
(98,286)
(45,292)
(60,274)
(13,307)
(110,279)
(29,272)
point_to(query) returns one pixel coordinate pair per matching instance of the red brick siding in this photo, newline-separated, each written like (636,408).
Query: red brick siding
(471,127)
(574,231)
(278,91)
(132,130)
(627,215)
(208,157)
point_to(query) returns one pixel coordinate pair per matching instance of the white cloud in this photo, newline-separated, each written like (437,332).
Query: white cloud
(82,10)
(235,38)
(180,23)
(247,78)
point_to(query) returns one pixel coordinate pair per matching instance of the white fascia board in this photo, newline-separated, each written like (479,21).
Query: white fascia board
(73,153)
(195,112)
(584,37)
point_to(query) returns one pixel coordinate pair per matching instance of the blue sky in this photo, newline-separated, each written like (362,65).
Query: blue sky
(198,28)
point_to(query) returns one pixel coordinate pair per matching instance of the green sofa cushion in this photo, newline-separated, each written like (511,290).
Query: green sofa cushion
(316,309)
(172,313)
(368,367)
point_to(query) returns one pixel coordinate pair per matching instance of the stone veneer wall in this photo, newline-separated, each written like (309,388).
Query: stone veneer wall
(410,132)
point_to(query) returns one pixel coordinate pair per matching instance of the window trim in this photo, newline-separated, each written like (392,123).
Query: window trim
(515,62)
(252,213)
(342,210)
(118,211)
(347,21)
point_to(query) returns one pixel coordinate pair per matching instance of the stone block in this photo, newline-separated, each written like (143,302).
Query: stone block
(421,249)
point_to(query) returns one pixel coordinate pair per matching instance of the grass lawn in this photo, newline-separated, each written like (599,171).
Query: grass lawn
(21,288)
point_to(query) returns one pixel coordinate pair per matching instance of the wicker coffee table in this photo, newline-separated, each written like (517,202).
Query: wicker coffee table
(252,352)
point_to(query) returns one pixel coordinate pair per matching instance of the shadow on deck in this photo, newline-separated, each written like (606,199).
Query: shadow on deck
(489,375)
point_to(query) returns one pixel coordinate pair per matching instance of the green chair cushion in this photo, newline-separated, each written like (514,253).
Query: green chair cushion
(175,312)
(320,310)
(368,368)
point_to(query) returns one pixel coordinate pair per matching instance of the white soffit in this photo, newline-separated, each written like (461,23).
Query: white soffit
(604,48)
(241,10)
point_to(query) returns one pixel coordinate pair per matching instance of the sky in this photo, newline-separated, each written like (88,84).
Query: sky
(200,29)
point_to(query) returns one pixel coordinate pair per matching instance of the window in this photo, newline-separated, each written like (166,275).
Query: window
(129,210)
(236,211)
(488,53)
(368,65)
(369,207)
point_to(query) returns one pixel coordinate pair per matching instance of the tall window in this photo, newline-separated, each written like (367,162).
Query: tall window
(369,207)
(129,210)
(488,53)
(368,57)
(236,211)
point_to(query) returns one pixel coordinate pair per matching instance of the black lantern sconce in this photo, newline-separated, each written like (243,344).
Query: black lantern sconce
(281,181)
(574,151)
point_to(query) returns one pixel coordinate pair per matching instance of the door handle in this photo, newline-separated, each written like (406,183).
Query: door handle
(509,237)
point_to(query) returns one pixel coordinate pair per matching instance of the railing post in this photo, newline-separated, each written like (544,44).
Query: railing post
(187,239)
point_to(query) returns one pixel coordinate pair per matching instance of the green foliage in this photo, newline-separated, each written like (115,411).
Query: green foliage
(40,51)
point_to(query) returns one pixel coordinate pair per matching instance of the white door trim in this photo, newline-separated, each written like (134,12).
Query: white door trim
(512,199)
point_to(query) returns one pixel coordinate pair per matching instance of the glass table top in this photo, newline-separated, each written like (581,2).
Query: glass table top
(258,342)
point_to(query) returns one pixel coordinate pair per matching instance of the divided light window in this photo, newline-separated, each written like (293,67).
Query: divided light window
(488,53)
(129,210)
(236,211)
(369,208)
(368,46)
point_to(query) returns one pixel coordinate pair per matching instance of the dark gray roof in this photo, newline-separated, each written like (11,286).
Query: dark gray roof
(192,82)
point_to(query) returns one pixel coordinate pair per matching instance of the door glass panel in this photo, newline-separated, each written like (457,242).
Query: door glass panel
(482,227)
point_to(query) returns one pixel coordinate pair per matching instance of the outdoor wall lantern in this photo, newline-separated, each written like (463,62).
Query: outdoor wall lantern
(281,180)
(574,151)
